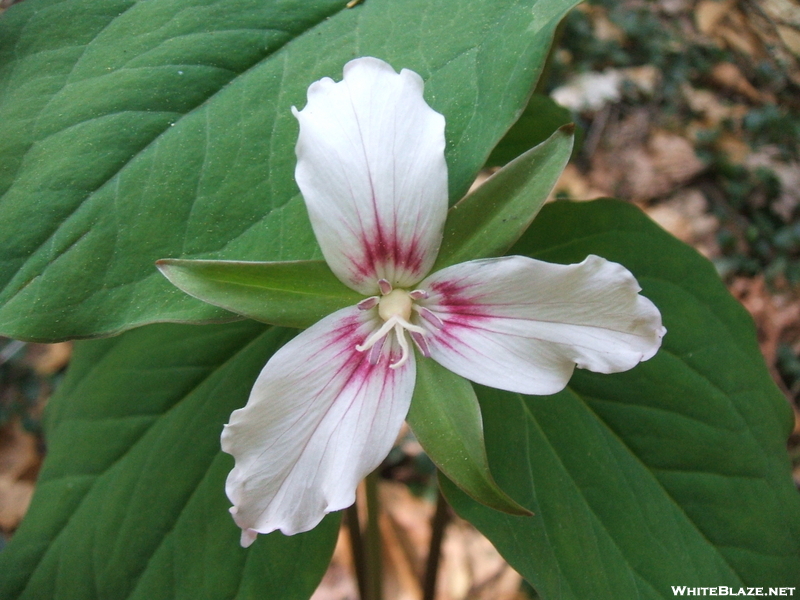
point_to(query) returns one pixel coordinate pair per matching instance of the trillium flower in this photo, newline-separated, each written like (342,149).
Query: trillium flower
(327,407)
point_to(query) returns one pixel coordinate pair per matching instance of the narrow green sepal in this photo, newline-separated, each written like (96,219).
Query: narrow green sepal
(289,294)
(446,418)
(487,222)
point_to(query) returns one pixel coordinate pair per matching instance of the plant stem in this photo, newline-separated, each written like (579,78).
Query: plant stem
(439,522)
(357,548)
(373,556)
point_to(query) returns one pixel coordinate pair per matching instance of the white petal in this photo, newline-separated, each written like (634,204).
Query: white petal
(370,164)
(522,325)
(318,420)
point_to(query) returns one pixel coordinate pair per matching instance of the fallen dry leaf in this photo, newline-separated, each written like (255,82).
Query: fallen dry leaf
(15,497)
(645,78)
(654,168)
(735,148)
(602,26)
(776,316)
(730,77)
(785,16)
(19,453)
(712,108)
(48,359)
(787,172)
(709,13)
(590,91)
(777,24)
(472,569)
(790,37)
(19,465)
(573,184)
(738,36)
(339,583)
(686,216)
(674,8)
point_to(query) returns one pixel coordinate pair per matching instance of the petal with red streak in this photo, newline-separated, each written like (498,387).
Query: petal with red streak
(371,167)
(522,325)
(319,419)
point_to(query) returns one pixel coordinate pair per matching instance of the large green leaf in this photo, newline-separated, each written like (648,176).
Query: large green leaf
(674,473)
(130,502)
(140,130)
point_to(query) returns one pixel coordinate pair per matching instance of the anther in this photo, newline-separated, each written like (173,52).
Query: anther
(418,295)
(419,340)
(368,303)
(429,316)
(385,286)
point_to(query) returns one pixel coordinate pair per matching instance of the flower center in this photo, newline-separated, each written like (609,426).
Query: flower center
(395,303)
(394,307)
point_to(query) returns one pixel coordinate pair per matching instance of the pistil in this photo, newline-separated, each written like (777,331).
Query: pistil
(394,307)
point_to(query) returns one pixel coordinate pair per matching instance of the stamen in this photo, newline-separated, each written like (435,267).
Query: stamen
(418,294)
(409,326)
(370,341)
(375,352)
(384,286)
(368,303)
(401,339)
(419,340)
(429,316)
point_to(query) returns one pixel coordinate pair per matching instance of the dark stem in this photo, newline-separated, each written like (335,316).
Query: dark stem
(438,524)
(357,548)
(373,556)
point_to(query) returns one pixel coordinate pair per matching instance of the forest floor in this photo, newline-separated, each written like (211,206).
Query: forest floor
(688,108)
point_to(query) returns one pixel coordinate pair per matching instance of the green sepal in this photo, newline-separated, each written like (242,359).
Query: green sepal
(446,418)
(487,222)
(290,294)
